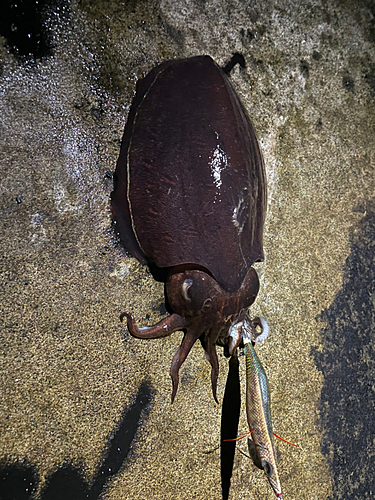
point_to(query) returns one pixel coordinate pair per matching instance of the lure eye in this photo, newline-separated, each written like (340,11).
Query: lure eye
(267,467)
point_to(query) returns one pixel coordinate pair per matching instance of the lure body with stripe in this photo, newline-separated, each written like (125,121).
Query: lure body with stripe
(258,409)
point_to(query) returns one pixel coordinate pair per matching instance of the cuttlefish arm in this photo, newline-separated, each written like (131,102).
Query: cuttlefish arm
(164,328)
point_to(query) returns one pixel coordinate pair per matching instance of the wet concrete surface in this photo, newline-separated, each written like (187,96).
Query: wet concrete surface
(75,386)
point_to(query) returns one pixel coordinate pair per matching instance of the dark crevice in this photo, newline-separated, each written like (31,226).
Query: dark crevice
(23,23)
(235,59)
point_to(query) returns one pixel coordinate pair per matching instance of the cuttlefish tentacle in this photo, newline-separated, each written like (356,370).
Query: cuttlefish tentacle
(190,337)
(214,362)
(164,328)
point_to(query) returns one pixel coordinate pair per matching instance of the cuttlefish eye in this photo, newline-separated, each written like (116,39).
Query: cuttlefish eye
(191,292)
(207,304)
(185,288)
(195,293)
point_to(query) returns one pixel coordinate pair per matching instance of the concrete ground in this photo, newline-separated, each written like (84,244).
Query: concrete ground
(85,405)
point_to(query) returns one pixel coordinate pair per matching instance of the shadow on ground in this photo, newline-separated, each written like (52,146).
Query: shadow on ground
(19,481)
(347,362)
(230,415)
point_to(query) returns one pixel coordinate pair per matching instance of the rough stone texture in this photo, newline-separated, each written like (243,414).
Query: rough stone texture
(84,404)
